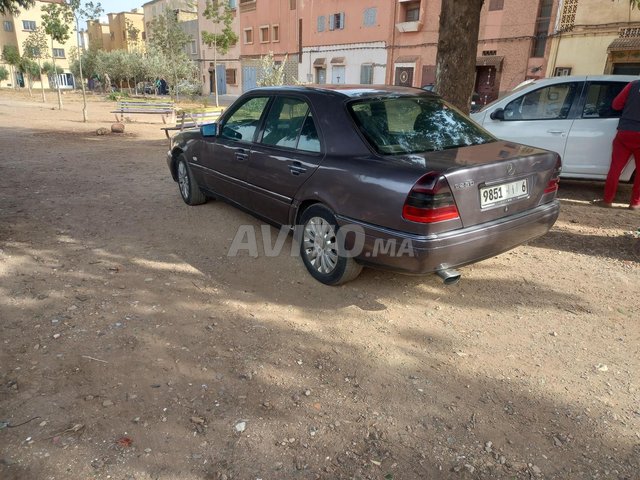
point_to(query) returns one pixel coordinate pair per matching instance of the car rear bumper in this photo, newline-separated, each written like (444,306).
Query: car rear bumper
(425,254)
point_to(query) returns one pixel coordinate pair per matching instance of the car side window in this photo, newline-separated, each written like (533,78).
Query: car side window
(600,95)
(243,123)
(289,124)
(547,103)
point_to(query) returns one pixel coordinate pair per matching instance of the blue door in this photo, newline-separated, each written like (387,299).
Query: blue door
(249,78)
(221,80)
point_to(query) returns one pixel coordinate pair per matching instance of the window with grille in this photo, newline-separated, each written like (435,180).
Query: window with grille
(489,53)
(369,19)
(629,32)
(366,74)
(496,5)
(568,15)
(336,21)
(542,28)
(412,13)
(231,76)
(248,35)
(264,34)
(275,33)
(562,72)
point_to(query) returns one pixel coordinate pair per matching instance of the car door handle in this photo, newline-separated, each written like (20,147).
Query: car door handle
(296,168)
(556,132)
(241,155)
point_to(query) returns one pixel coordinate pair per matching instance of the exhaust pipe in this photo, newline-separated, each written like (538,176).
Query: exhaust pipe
(449,276)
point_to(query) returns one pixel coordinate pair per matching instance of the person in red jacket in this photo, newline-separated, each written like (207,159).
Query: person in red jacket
(625,143)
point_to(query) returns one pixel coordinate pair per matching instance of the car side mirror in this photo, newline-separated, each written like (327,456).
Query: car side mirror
(497,114)
(209,130)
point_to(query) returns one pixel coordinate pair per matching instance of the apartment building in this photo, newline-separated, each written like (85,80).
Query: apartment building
(15,30)
(274,26)
(99,35)
(226,75)
(595,37)
(127,31)
(345,42)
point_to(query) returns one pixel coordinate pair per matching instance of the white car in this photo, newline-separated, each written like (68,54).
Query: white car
(569,115)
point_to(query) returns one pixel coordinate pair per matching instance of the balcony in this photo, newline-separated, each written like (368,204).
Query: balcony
(247,5)
(404,27)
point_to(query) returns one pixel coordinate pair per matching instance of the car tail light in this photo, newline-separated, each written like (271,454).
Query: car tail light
(430,201)
(552,186)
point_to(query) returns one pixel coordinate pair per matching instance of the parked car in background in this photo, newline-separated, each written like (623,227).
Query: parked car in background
(570,115)
(390,177)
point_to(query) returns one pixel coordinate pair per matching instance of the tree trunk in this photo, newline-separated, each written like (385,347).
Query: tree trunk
(55,77)
(29,80)
(457,47)
(44,98)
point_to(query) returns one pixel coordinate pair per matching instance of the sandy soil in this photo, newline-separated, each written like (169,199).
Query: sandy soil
(134,348)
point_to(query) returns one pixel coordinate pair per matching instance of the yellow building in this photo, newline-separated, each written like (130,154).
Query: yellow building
(14,31)
(595,37)
(126,31)
(99,35)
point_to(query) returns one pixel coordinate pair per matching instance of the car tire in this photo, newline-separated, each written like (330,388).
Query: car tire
(319,249)
(187,185)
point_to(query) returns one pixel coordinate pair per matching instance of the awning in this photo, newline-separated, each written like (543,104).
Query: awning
(490,61)
(337,61)
(407,59)
(319,62)
(630,43)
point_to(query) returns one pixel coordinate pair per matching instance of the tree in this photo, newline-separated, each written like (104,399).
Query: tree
(57,19)
(35,48)
(271,74)
(92,12)
(219,13)
(4,73)
(168,38)
(11,56)
(30,69)
(13,6)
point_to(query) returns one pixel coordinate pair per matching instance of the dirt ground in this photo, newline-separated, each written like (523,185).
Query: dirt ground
(134,348)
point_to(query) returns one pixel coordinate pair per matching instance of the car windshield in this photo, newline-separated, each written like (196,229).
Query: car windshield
(400,125)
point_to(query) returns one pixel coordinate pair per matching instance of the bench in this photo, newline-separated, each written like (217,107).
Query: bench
(158,108)
(193,119)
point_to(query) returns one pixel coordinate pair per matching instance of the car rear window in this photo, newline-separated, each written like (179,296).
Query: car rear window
(415,124)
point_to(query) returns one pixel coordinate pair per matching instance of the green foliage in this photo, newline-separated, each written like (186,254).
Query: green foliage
(36,45)
(11,55)
(58,20)
(29,67)
(47,67)
(13,6)
(167,36)
(4,73)
(115,96)
(220,14)
(271,74)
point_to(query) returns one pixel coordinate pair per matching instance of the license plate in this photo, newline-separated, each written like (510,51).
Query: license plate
(501,193)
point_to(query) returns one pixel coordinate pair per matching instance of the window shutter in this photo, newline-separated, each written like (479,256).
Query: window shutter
(341,20)
(332,22)
(366,74)
(321,23)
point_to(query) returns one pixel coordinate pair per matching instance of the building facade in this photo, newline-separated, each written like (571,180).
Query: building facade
(594,37)
(15,30)
(344,42)
(221,72)
(127,31)
(99,35)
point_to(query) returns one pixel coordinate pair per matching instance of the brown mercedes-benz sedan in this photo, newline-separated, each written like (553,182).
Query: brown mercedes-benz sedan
(384,176)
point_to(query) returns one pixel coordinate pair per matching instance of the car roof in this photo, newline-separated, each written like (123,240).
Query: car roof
(348,91)
(578,78)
